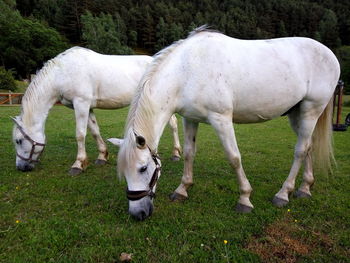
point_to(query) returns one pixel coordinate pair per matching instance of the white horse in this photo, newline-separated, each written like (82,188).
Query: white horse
(215,79)
(80,79)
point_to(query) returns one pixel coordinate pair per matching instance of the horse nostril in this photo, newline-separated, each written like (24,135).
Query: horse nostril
(150,210)
(27,168)
(142,215)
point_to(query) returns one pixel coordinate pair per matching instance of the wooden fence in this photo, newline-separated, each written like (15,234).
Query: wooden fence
(11,98)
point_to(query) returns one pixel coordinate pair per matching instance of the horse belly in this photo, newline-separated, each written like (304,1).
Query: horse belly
(114,94)
(111,103)
(260,109)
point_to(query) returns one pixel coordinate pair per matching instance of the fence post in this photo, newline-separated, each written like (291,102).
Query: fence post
(10,97)
(337,102)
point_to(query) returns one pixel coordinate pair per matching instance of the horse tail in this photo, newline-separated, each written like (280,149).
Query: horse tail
(322,140)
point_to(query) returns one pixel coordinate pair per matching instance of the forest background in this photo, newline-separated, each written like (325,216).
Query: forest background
(33,31)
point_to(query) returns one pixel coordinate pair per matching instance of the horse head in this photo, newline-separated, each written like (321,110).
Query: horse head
(141,169)
(28,149)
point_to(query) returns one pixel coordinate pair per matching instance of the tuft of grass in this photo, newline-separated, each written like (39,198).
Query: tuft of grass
(48,216)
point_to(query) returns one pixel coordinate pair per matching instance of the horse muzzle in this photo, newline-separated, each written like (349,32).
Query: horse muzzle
(141,209)
(24,166)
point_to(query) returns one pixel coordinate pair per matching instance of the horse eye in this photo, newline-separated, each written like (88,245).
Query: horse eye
(143,169)
(19,141)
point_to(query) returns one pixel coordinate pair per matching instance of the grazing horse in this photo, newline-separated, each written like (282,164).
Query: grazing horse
(80,79)
(219,80)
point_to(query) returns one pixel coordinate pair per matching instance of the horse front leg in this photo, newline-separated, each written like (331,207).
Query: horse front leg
(224,128)
(177,146)
(81,110)
(190,131)
(101,145)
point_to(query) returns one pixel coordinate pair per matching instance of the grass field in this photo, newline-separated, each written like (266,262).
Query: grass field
(48,216)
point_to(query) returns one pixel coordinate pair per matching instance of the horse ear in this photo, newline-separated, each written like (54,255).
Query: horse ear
(116,141)
(141,142)
(15,120)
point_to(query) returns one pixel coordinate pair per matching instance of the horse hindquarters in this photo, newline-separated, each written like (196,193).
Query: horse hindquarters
(313,128)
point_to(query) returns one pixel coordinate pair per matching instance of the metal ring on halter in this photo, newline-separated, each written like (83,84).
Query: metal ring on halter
(34,143)
(137,195)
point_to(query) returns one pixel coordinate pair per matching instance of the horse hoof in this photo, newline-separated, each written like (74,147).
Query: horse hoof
(301,194)
(279,202)
(177,197)
(175,158)
(75,171)
(240,208)
(100,162)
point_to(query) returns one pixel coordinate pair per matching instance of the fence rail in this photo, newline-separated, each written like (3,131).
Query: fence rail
(11,98)
(14,99)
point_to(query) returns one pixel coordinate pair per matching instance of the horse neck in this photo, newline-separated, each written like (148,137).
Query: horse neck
(152,117)
(36,105)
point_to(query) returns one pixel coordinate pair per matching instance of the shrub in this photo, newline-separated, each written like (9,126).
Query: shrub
(344,59)
(7,82)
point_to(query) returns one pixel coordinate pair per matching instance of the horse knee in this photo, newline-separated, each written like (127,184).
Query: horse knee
(188,152)
(300,154)
(80,137)
(235,161)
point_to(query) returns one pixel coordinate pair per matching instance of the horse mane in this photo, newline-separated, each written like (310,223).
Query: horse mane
(141,107)
(41,86)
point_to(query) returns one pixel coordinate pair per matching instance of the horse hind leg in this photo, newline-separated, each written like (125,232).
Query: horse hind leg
(177,146)
(190,131)
(308,179)
(101,145)
(224,128)
(303,121)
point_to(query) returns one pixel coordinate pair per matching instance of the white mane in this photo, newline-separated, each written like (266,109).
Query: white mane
(141,107)
(41,86)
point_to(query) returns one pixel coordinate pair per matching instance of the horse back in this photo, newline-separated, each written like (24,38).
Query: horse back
(256,80)
(106,81)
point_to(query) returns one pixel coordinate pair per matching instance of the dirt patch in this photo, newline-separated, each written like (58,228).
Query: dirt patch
(286,241)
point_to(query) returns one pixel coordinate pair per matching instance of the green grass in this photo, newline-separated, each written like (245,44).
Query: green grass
(84,218)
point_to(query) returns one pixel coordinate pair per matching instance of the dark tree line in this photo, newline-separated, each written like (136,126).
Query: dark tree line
(116,26)
(325,20)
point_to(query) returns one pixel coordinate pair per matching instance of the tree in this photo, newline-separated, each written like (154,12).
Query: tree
(100,33)
(7,82)
(344,58)
(161,34)
(26,43)
(329,29)
(281,30)
(176,32)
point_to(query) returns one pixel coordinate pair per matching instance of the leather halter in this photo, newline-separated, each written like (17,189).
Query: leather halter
(34,143)
(137,195)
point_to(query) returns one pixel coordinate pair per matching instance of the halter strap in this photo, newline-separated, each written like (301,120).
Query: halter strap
(137,195)
(34,143)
